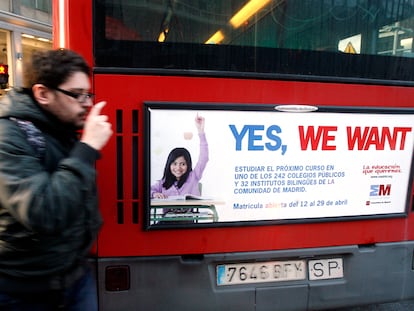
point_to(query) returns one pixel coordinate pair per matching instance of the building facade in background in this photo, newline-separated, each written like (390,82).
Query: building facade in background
(25,26)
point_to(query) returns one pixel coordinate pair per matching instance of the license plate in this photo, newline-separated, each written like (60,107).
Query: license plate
(271,271)
(322,269)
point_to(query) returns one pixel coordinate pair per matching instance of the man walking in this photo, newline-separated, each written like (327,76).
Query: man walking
(49,214)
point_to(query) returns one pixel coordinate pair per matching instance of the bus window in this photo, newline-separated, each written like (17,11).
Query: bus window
(270,36)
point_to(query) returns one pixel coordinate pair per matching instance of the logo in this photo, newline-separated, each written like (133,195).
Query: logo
(380,190)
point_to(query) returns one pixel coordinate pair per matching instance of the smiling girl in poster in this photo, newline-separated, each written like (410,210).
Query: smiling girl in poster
(179,177)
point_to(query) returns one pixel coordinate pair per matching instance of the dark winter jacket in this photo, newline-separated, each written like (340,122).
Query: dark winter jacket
(49,214)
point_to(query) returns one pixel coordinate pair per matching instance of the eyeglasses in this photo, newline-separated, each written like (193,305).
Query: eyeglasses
(81,98)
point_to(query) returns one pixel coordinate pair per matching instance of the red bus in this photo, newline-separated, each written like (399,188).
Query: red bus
(304,191)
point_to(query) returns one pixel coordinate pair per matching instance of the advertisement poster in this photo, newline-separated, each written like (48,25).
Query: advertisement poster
(270,165)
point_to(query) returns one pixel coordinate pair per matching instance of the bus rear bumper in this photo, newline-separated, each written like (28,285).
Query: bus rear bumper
(371,274)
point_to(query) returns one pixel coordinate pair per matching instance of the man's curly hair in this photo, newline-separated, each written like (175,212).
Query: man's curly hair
(53,67)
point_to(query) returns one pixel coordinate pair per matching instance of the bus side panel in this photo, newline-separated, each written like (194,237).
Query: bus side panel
(123,232)
(77,14)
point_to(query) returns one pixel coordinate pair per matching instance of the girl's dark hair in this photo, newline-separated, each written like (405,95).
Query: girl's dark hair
(53,67)
(169,178)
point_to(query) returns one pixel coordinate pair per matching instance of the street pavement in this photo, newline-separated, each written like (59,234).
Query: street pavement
(398,306)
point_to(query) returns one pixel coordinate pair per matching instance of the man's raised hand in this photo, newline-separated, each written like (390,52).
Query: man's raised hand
(97,129)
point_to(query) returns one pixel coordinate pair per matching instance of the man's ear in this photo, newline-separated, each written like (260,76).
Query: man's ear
(42,94)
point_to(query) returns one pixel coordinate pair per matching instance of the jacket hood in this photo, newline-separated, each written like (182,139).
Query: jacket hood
(20,104)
